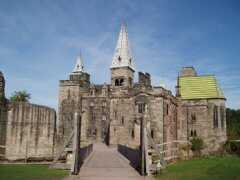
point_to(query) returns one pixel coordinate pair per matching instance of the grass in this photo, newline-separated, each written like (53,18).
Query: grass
(211,168)
(30,172)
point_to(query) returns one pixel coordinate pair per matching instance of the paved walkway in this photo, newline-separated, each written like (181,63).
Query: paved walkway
(106,164)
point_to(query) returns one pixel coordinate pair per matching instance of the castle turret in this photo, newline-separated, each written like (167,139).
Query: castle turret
(78,73)
(122,68)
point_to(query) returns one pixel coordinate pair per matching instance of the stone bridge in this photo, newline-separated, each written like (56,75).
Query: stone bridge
(106,163)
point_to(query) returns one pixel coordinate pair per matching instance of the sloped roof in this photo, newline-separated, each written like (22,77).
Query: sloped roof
(200,87)
(123,56)
(79,65)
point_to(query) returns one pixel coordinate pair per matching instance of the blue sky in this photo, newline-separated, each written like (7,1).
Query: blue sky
(40,39)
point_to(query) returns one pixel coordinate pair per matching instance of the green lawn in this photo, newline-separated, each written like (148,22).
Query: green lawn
(211,168)
(30,172)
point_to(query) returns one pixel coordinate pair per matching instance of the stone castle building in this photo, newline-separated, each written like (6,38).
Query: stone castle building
(112,112)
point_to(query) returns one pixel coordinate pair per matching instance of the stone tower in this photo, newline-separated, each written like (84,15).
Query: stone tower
(70,93)
(122,68)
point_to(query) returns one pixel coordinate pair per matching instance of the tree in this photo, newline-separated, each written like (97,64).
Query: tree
(233,124)
(20,96)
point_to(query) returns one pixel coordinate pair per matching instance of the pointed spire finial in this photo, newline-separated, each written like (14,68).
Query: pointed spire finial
(123,56)
(79,68)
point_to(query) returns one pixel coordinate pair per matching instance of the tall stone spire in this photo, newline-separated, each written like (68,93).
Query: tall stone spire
(122,56)
(79,68)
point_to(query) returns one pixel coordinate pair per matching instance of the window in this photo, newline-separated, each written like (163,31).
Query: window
(195,133)
(215,117)
(191,133)
(141,108)
(152,133)
(222,116)
(130,61)
(167,107)
(122,121)
(133,134)
(115,114)
(121,82)
(116,82)
(119,59)
(193,117)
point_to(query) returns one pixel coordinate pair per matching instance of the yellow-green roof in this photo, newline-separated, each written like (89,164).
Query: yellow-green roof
(199,87)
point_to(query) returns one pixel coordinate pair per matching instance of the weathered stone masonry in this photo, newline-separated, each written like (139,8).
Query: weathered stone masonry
(27,131)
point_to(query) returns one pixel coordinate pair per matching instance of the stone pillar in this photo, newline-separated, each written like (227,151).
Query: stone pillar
(76,144)
(143,148)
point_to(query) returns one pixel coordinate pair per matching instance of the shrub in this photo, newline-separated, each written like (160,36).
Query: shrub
(197,145)
(232,147)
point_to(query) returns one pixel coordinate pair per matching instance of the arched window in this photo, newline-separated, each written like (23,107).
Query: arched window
(215,117)
(141,108)
(167,109)
(121,82)
(133,134)
(122,120)
(152,133)
(191,133)
(119,59)
(195,133)
(193,117)
(116,82)
(222,115)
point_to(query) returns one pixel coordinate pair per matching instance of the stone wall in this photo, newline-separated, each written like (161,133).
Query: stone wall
(196,118)
(3,126)
(30,132)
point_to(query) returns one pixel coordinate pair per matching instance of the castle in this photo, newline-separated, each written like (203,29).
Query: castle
(113,112)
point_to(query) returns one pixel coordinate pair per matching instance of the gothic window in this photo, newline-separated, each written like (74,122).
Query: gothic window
(141,108)
(115,114)
(195,133)
(167,109)
(122,120)
(130,61)
(222,114)
(152,133)
(121,82)
(191,133)
(116,82)
(133,134)
(193,117)
(119,59)
(95,132)
(215,117)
